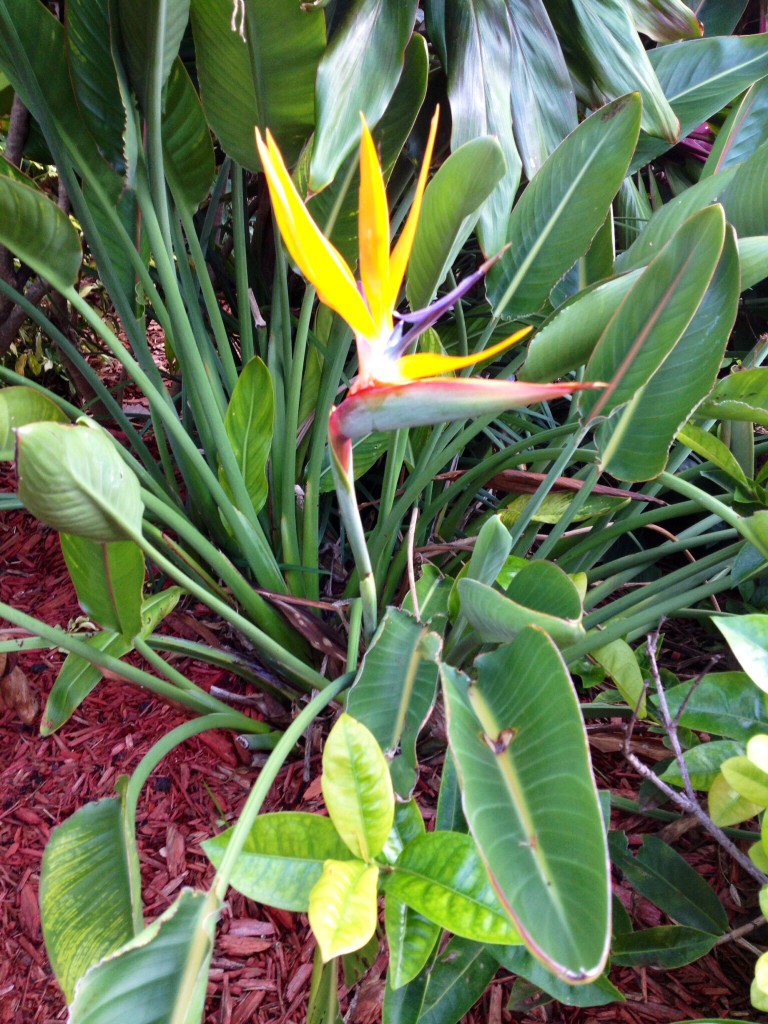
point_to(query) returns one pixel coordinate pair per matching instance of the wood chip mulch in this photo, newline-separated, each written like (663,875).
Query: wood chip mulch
(263,960)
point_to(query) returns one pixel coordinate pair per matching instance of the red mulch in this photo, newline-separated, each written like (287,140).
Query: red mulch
(263,962)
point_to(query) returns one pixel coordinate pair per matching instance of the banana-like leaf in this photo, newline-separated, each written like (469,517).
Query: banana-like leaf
(605,52)
(563,208)
(72,479)
(449,212)
(39,233)
(543,100)
(655,313)
(151,35)
(343,908)
(160,975)
(282,858)
(744,130)
(249,422)
(348,86)
(635,444)
(109,579)
(699,76)
(261,71)
(88,879)
(665,21)
(78,677)
(93,75)
(21,405)
(186,140)
(357,788)
(394,692)
(441,875)
(527,785)
(479,67)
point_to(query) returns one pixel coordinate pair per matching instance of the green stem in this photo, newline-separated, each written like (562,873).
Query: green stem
(239,230)
(267,776)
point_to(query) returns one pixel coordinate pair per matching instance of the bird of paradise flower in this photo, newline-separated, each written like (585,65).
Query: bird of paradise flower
(392,389)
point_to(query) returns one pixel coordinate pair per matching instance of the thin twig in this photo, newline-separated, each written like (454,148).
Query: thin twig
(739,933)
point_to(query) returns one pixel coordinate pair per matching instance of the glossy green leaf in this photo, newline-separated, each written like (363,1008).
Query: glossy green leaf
(713,450)
(445,991)
(282,858)
(723,703)
(411,938)
(718,17)
(556,504)
(186,140)
(161,974)
(703,763)
(726,806)
(21,405)
(757,751)
(660,874)
(366,452)
(540,594)
(72,479)
(742,395)
(543,101)
(758,991)
(39,233)
(747,779)
(151,35)
(249,423)
(744,129)
(86,905)
(479,68)
(394,691)
(665,21)
(357,788)
(348,86)
(602,46)
(634,445)
(93,75)
(563,207)
(749,214)
(441,875)
(527,783)
(109,580)
(568,337)
(342,906)
(519,961)
(655,313)
(389,135)
(620,662)
(269,80)
(747,636)
(667,946)
(699,76)
(78,677)
(408,825)
(449,213)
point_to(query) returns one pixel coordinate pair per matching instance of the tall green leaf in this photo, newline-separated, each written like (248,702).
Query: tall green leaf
(531,802)
(263,74)
(39,233)
(86,904)
(699,76)
(186,140)
(161,974)
(655,313)
(151,32)
(479,68)
(563,208)
(249,423)
(411,938)
(109,579)
(543,100)
(743,131)
(394,692)
(634,445)
(449,212)
(348,86)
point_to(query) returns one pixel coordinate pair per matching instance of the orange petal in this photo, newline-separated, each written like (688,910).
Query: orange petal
(428,364)
(373,232)
(402,251)
(320,262)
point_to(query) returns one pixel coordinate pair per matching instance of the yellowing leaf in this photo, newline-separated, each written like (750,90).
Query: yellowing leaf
(343,908)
